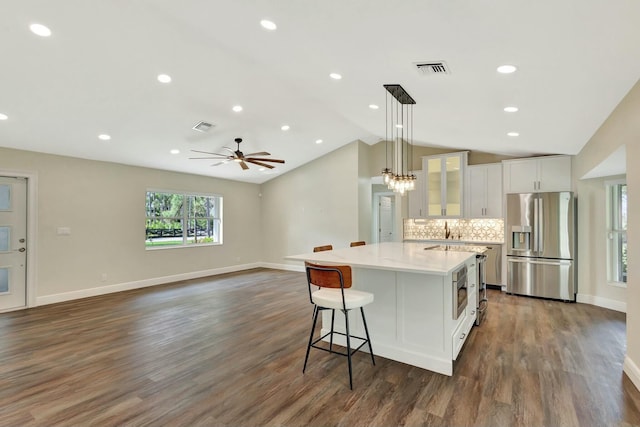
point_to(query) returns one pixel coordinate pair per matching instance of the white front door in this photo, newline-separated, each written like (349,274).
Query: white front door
(13,243)
(385,216)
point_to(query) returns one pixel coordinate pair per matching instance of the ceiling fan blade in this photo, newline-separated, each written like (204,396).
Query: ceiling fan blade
(208,158)
(243,165)
(208,152)
(230,150)
(221,163)
(261,153)
(266,160)
(256,162)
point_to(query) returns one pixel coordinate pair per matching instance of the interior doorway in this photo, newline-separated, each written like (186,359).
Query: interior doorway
(384,217)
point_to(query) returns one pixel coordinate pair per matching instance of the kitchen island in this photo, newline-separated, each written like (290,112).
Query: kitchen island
(411,319)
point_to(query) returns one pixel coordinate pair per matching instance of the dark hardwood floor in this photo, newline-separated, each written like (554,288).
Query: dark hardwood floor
(229,349)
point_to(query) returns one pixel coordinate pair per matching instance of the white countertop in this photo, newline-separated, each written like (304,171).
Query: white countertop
(408,256)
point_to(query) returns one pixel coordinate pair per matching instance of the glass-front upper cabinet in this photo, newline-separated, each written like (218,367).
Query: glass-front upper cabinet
(445,184)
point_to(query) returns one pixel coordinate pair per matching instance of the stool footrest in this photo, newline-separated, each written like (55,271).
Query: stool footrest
(329,350)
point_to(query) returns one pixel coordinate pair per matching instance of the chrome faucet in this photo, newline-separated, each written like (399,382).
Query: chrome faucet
(447,230)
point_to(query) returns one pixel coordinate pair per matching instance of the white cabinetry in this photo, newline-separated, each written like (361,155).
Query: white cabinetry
(537,174)
(416,197)
(444,182)
(484,191)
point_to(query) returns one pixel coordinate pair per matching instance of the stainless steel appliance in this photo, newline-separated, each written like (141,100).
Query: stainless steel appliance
(482,303)
(481,289)
(541,246)
(459,278)
(494,265)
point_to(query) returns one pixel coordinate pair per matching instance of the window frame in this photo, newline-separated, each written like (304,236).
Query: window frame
(616,233)
(185,219)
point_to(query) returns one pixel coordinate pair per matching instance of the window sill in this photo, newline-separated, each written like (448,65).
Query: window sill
(161,248)
(618,284)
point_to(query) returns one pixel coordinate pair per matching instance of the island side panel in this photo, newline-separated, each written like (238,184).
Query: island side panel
(408,320)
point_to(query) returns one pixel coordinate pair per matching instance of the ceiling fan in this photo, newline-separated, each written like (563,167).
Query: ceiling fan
(239,157)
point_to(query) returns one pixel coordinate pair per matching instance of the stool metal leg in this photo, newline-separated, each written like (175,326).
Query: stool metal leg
(333,316)
(313,327)
(366,331)
(346,320)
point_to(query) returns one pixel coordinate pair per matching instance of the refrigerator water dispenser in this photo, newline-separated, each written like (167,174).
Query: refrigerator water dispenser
(520,238)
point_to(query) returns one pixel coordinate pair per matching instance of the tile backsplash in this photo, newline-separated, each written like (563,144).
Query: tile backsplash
(481,230)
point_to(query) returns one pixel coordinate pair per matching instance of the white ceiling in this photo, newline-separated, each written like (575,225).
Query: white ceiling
(97,73)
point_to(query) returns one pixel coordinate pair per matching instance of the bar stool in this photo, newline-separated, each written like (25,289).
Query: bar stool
(334,293)
(359,243)
(323,248)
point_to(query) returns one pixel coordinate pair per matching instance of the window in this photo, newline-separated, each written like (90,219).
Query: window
(617,231)
(180,219)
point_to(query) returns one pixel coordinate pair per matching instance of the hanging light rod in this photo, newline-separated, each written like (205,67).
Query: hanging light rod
(400,94)
(399,135)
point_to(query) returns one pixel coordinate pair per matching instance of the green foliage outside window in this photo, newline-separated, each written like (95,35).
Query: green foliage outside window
(175,219)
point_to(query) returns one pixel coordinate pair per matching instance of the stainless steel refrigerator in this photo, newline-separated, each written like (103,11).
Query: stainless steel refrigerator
(541,245)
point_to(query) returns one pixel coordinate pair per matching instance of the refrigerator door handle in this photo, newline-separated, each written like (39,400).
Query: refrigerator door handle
(546,262)
(540,227)
(535,225)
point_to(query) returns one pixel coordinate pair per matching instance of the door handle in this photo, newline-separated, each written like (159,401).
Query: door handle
(21,250)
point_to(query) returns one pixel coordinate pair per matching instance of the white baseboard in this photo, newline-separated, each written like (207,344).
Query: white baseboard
(102,290)
(611,304)
(632,371)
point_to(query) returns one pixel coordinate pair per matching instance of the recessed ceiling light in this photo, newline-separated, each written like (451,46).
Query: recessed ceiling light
(268,25)
(399,126)
(335,76)
(373,106)
(513,134)
(237,108)
(40,30)
(285,127)
(318,141)
(104,137)
(175,151)
(262,169)
(506,69)
(164,78)
(510,109)
(3,116)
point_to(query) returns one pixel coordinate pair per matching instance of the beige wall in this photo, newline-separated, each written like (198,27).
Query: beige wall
(315,204)
(622,128)
(364,192)
(378,159)
(103,205)
(593,286)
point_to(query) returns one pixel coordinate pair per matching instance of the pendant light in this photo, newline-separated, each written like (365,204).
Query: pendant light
(398,140)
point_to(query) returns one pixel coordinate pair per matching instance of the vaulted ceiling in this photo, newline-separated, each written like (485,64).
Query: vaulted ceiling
(97,74)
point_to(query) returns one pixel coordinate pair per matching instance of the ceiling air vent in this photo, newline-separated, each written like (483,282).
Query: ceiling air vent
(433,67)
(202,126)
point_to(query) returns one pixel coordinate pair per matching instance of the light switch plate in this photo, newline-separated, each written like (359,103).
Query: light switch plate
(63,231)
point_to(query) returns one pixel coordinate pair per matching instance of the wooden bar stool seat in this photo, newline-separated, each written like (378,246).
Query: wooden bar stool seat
(334,293)
(358,243)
